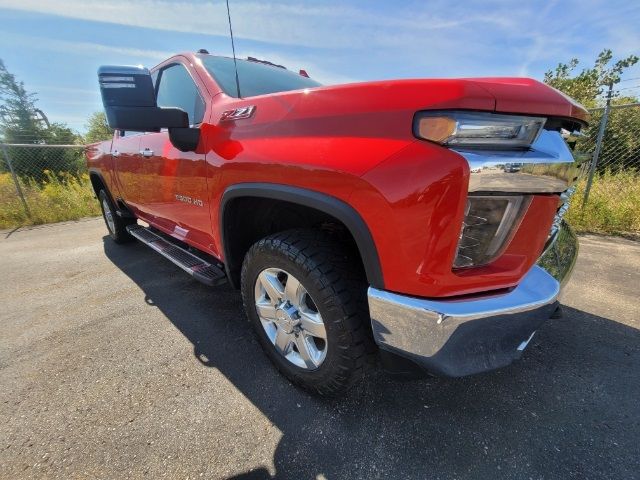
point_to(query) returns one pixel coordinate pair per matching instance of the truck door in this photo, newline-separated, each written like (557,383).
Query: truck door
(178,198)
(127,167)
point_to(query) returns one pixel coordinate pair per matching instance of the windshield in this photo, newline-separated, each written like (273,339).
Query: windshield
(255,78)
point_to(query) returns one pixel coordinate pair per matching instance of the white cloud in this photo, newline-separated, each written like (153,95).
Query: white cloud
(407,25)
(437,37)
(82,48)
(272,22)
(91,49)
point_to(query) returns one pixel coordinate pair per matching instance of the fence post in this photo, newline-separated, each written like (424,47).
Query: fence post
(15,180)
(596,151)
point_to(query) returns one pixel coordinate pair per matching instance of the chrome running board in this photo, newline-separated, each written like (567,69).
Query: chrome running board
(195,266)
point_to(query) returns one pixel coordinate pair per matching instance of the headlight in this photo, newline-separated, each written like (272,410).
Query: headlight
(488,224)
(477,129)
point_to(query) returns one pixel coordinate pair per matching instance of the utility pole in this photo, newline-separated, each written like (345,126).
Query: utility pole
(596,151)
(16,181)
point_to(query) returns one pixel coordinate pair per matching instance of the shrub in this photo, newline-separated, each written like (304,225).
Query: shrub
(58,198)
(613,206)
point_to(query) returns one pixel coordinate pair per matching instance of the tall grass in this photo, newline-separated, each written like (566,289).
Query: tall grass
(613,206)
(58,198)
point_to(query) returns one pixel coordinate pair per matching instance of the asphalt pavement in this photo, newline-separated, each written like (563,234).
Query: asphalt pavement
(116,364)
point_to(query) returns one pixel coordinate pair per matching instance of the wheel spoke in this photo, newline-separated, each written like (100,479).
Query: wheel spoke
(304,349)
(272,286)
(282,341)
(291,291)
(290,318)
(108,216)
(265,310)
(312,324)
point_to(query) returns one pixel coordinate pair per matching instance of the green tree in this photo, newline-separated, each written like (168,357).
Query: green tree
(621,143)
(18,117)
(22,122)
(588,86)
(97,128)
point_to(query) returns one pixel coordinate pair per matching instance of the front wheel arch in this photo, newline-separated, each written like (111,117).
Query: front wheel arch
(236,243)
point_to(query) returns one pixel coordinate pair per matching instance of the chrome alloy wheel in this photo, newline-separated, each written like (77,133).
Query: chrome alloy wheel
(108,216)
(290,318)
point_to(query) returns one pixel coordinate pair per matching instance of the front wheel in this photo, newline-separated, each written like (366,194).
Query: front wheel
(307,302)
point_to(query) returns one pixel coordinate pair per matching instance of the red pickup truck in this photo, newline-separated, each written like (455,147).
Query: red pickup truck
(362,222)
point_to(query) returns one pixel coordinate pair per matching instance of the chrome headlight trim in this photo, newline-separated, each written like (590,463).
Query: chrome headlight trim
(547,167)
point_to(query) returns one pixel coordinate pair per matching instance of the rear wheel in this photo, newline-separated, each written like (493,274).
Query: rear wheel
(116,225)
(307,302)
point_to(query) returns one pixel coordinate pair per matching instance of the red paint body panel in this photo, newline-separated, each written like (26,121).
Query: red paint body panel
(528,96)
(355,143)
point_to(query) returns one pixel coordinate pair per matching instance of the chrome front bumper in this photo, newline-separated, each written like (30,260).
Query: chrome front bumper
(461,337)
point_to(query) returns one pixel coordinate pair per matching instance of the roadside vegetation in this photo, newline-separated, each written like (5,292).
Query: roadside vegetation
(58,198)
(613,207)
(54,181)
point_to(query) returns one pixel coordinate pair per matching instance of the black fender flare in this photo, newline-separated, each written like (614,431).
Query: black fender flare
(332,206)
(97,173)
(119,211)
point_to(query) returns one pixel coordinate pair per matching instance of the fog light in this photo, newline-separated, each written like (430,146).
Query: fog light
(488,224)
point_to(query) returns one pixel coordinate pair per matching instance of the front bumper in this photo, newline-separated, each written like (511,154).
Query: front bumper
(460,337)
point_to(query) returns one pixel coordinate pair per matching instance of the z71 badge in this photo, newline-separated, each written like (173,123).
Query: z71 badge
(189,200)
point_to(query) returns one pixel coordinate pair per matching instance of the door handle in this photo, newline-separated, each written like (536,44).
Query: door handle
(115,153)
(146,152)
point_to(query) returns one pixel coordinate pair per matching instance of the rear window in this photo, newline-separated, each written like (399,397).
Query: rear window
(254,78)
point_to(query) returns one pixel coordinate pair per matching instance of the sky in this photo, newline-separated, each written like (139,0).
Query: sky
(56,46)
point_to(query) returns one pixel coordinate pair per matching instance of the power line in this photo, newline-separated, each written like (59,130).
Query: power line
(629,79)
(627,88)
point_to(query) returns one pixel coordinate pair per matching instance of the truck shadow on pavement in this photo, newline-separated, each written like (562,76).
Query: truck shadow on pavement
(568,408)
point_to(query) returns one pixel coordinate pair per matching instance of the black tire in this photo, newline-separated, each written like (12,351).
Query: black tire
(118,230)
(337,285)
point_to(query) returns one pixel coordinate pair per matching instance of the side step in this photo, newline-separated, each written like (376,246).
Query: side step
(199,269)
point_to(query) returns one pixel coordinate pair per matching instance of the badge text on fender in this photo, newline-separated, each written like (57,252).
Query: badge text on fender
(191,201)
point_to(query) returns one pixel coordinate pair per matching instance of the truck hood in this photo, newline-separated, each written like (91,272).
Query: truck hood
(504,95)
(528,96)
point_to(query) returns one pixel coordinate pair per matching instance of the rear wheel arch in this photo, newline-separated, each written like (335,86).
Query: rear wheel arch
(98,183)
(237,235)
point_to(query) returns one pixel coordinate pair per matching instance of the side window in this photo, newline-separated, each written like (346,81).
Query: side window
(177,89)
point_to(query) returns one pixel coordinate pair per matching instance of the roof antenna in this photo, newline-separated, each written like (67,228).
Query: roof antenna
(233,48)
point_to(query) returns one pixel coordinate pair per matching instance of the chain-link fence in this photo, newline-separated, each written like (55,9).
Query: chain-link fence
(608,199)
(43,183)
(47,183)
